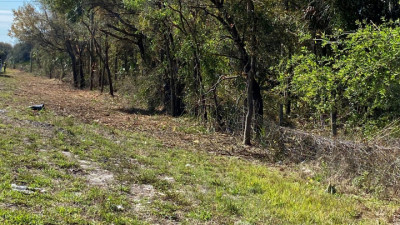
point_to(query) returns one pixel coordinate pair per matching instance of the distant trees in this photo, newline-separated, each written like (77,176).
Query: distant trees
(20,53)
(5,50)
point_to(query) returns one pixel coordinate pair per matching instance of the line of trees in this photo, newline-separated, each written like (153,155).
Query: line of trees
(5,50)
(229,63)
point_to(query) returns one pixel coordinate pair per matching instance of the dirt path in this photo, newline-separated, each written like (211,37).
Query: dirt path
(91,106)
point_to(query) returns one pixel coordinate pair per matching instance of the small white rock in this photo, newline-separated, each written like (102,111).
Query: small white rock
(168,179)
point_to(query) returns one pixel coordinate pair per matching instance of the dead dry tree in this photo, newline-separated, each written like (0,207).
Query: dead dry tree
(369,166)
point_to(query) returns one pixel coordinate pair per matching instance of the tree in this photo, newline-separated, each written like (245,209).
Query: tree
(359,78)
(5,50)
(21,52)
(53,32)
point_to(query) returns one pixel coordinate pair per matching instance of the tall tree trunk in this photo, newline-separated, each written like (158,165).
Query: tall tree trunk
(91,52)
(140,44)
(116,66)
(173,91)
(250,105)
(81,74)
(334,122)
(62,69)
(51,68)
(92,68)
(73,62)
(258,104)
(126,67)
(105,61)
(103,72)
(74,71)
(31,59)
(247,62)
(250,76)
(288,108)
(107,65)
(171,71)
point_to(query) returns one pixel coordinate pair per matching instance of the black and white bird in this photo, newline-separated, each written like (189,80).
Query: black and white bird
(37,107)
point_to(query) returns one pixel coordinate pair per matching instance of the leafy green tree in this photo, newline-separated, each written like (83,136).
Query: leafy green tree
(20,53)
(359,78)
(5,50)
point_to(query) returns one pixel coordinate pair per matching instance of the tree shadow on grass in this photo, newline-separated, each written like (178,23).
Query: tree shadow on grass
(5,76)
(139,111)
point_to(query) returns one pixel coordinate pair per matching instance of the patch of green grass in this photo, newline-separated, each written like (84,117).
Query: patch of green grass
(190,126)
(9,216)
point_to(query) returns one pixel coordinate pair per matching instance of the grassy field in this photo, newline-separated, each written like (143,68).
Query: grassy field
(88,173)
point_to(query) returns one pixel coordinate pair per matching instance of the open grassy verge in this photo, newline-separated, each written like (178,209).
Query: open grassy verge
(92,174)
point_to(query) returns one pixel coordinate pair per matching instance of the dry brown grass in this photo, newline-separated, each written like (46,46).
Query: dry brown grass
(368,165)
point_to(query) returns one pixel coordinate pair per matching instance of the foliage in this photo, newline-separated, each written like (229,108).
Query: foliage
(21,53)
(5,50)
(359,76)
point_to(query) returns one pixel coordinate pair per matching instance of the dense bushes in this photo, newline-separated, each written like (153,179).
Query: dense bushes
(357,75)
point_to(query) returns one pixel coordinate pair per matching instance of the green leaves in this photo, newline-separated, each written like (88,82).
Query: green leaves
(360,75)
(5,49)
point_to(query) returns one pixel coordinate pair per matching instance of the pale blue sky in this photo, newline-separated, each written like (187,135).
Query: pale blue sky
(6,18)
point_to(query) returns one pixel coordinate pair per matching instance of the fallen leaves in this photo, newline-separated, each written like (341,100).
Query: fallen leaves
(92,106)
